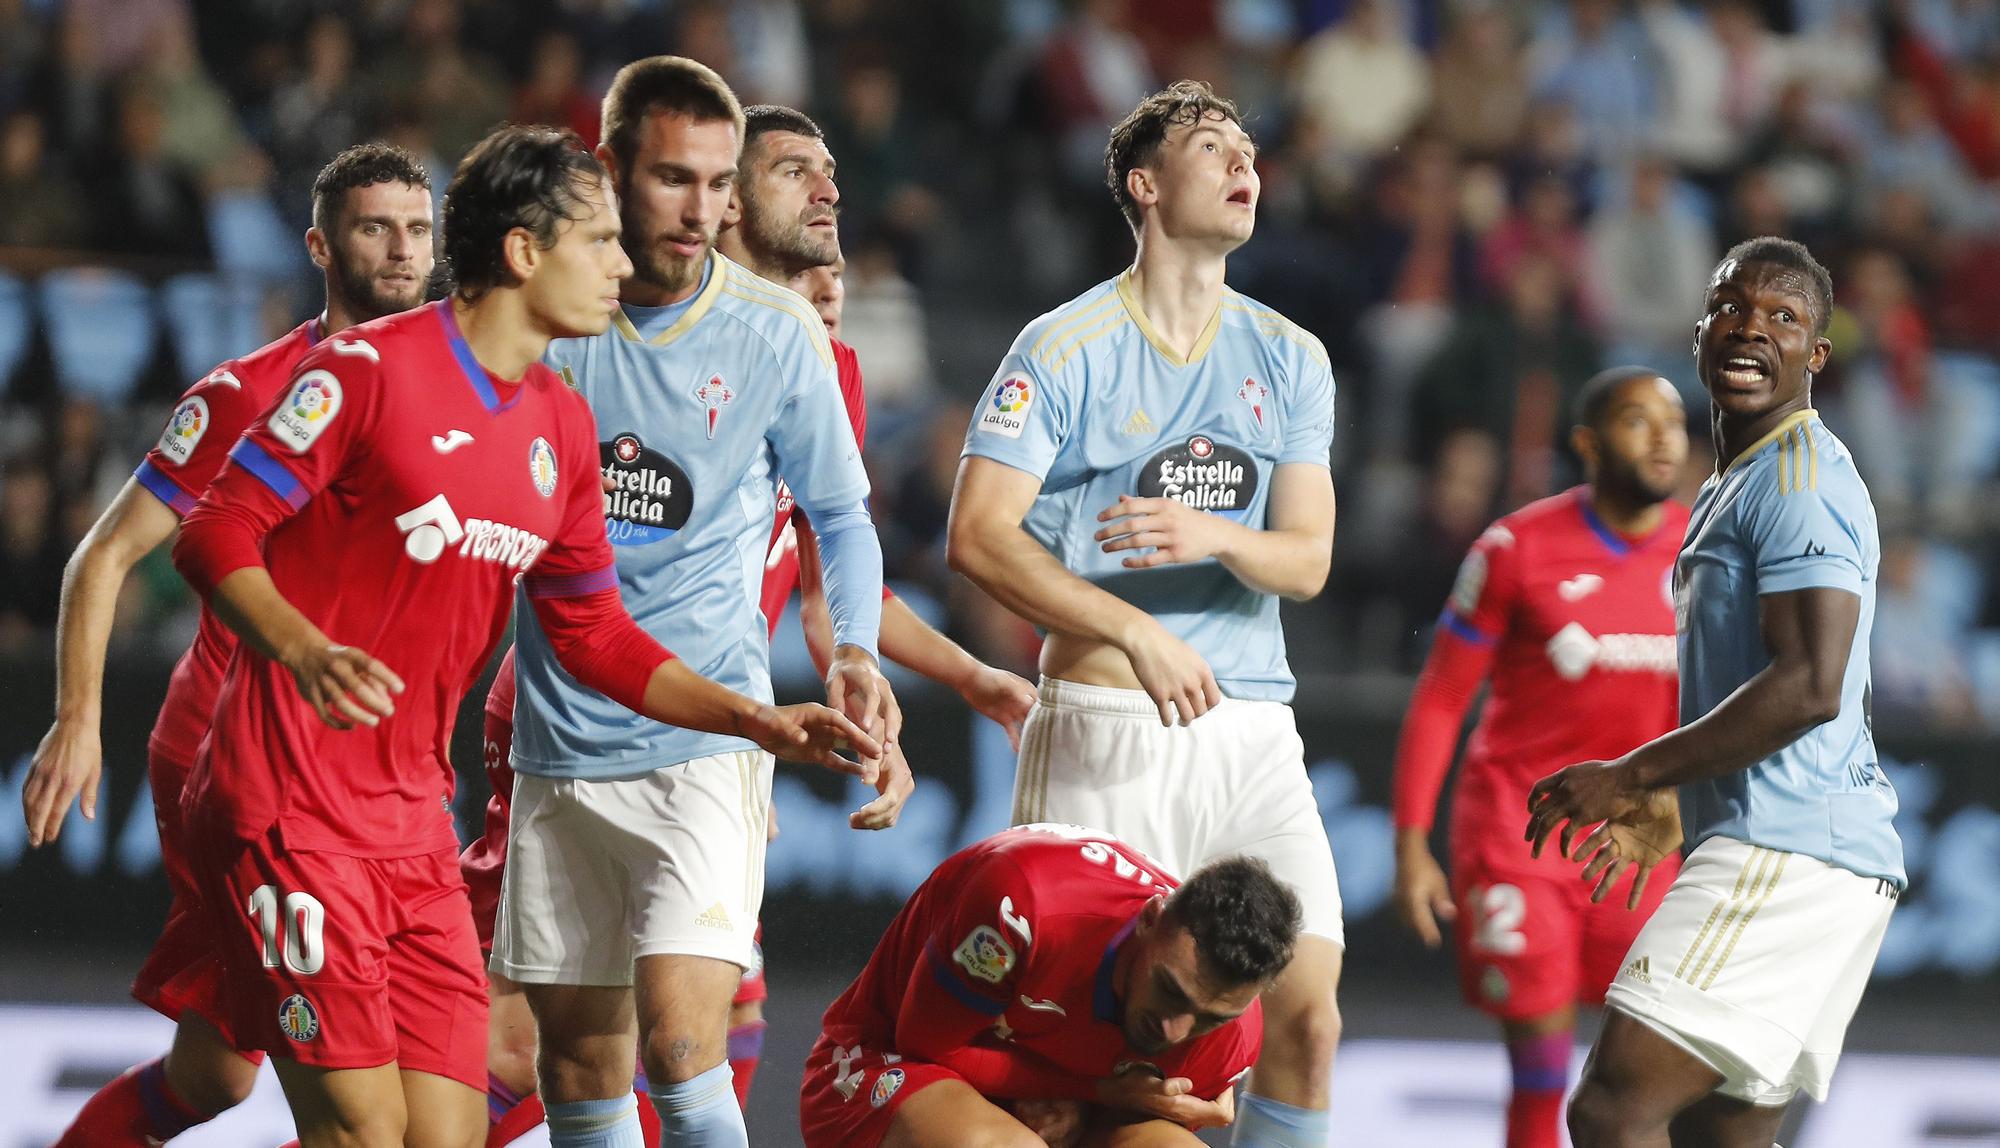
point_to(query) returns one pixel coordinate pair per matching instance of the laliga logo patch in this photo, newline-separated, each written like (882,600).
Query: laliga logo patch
(885,1087)
(650,497)
(714,395)
(1203,474)
(985,954)
(542,466)
(1007,414)
(184,430)
(1254,393)
(298,1018)
(305,414)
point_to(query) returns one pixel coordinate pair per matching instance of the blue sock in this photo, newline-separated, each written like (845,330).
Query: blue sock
(1262,1122)
(700,1113)
(610,1123)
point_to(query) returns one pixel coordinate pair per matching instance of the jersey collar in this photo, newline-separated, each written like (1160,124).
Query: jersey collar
(1777,432)
(468,363)
(1104,1001)
(718,273)
(1145,325)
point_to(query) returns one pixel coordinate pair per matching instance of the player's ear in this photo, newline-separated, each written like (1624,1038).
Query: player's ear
(1140,185)
(1150,913)
(1583,441)
(733,214)
(1821,352)
(317,248)
(522,253)
(609,159)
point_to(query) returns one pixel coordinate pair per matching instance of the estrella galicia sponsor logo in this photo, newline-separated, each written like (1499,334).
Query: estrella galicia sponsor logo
(650,497)
(1203,474)
(297,1018)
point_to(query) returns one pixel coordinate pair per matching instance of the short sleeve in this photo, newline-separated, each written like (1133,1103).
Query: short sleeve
(1482,598)
(319,423)
(1808,536)
(813,439)
(197,439)
(1025,415)
(1309,415)
(978,951)
(578,561)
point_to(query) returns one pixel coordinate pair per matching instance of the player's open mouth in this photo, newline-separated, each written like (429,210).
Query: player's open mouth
(688,248)
(1240,197)
(1744,371)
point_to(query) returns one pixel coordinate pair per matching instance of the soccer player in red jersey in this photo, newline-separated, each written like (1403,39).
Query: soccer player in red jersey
(371,235)
(414,469)
(1567,604)
(1050,984)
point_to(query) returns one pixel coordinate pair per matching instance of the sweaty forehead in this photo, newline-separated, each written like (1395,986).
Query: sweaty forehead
(1758,278)
(775,145)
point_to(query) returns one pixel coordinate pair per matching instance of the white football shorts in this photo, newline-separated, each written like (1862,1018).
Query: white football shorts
(1754,963)
(1232,782)
(600,873)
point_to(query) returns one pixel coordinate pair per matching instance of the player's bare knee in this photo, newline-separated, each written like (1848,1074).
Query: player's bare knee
(1603,1116)
(672,1057)
(370,1128)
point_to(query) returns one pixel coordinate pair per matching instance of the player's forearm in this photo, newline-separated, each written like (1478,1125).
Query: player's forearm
(910,641)
(677,696)
(1444,691)
(249,603)
(129,529)
(815,619)
(1019,573)
(1765,714)
(851,570)
(1289,563)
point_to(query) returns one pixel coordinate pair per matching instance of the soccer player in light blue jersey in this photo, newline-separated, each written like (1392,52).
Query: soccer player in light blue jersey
(1145,477)
(1737,993)
(636,849)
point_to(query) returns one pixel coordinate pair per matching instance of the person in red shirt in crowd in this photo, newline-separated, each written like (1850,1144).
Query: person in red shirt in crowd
(412,471)
(1052,985)
(1567,604)
(371,236)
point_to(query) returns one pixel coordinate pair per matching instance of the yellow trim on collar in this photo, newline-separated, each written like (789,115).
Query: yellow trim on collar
(1145,325)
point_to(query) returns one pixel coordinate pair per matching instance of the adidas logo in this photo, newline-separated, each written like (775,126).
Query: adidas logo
(1139,423)
(1640,970)
(715,917)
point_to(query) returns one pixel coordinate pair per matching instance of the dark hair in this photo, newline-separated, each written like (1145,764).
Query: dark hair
(520,176)
(1136,140)
(1243,921)
(363,165)
(1792,255)
(762,119)
(1596,395)
(671,84)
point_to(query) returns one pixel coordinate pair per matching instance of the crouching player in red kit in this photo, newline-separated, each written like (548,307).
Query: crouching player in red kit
(1568,604)
(1050,984)
(415,468)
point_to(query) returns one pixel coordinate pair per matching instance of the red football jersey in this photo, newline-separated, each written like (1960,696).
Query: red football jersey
(781,558)
(206,423)
(1576,624)
(1017,935)
(404,489)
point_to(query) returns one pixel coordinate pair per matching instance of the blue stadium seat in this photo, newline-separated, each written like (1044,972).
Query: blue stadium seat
(16,324)
(102,329)
(211,318)
(248,236)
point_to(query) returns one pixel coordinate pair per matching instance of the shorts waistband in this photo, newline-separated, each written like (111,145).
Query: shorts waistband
(1058,694)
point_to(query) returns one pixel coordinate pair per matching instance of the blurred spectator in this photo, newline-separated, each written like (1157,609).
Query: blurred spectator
(882,189)
(1806,157)
(553,92)
(200,131)
(1481,96)
(1592,57)
(31,557)
(142,201)
(316,114)
(1543,226)
(1359,85)
(884,324)
(1650,260)
(1093,71)
(774,58)
(1965,99)
(1906,150)
(1918,658)
(455,93)
(44,206)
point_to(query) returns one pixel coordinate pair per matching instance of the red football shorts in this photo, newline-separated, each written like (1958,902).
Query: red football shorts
(183,972)
(1529,940)
(851,1093)
(349,962)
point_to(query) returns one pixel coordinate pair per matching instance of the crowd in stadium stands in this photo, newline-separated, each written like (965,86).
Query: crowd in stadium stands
(1474,203)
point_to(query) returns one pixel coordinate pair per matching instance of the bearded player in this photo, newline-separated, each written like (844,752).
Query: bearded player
(371,236)
(1566,606)
(1051,984)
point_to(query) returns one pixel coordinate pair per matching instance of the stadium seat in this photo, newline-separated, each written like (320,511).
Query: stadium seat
(16,324)
(248,236)
(211,318)
(102,329)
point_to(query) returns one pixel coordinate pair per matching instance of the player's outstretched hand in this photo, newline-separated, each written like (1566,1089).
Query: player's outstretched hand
(1578,798)
(1422,895)
(811,733)
(345,686)
(1060,1123)
(69,763)
(1167,530)
(1172,674)
(1639,843)
(894,784)
(1004,697)
(856,687)
(1136,1090)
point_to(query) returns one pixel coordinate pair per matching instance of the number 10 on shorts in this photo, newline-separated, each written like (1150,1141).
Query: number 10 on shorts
(303,917)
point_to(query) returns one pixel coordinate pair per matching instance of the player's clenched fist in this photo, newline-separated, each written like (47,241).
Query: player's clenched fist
(344,685)
(1172,674)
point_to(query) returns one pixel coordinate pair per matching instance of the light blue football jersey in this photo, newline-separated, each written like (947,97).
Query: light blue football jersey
(694,425)
(1789,514)
(1094,403)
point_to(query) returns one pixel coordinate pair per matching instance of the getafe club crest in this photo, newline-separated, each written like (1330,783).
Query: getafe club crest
(542,467)
(713,396)
(1254,393)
